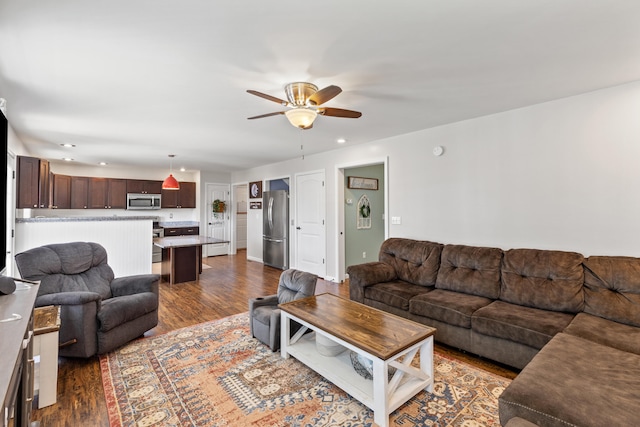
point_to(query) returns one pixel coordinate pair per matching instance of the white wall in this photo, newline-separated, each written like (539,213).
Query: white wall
(559,175)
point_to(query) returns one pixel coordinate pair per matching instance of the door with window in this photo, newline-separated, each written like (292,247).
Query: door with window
(218,221)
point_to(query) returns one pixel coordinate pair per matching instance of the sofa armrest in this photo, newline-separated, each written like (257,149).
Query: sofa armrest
(363,275)
(136,284)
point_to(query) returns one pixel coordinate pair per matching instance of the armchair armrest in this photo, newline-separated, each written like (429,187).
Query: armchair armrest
(271,300)
(78,324)
(363,275)
(136,284)
(68,298)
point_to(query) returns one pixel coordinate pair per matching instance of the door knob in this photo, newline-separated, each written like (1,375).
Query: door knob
(298,228)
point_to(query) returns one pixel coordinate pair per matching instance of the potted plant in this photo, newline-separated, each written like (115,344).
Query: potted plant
(219,205)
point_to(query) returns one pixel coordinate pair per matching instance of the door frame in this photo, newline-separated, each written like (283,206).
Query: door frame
(340,274)
(233,245)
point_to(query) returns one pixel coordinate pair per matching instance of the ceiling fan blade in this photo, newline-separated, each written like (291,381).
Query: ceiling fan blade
(339,112)
(324,95)
(269,97)
(266,115)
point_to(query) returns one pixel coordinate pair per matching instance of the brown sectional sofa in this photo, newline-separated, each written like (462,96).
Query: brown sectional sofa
(572,324)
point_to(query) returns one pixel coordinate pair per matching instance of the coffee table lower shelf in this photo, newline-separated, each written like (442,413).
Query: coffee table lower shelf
(381,395)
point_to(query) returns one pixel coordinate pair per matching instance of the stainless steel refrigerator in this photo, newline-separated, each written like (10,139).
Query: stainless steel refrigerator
(275,228)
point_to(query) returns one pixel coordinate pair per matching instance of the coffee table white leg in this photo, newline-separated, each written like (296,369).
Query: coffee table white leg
(285,334)
(380,393)
(426,360)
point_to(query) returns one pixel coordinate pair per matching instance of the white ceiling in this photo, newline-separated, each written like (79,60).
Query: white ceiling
(129,82)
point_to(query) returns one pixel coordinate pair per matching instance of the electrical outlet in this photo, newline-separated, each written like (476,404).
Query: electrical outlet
(170,215)
(364,254)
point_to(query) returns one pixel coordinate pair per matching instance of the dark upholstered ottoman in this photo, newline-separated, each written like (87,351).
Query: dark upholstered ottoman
(575,382)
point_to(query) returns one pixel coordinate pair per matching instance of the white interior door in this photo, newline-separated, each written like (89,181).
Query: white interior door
(218,224)
(310,223)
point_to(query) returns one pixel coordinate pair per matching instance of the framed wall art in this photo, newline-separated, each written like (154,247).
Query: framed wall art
(360,183)
(255,190)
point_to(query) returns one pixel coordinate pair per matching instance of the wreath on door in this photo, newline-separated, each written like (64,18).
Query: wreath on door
(364,213)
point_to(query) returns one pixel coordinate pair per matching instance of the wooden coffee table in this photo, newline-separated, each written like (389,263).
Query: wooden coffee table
(386,339)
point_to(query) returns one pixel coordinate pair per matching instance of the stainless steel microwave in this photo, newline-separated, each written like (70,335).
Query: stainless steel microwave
(143,201)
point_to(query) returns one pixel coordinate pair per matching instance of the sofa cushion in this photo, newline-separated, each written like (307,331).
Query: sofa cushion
(605,332)
(414,261)
(524,325)
(548,280)
(573,381)
(470,269)
(395,293)
(612,288)
(454,308)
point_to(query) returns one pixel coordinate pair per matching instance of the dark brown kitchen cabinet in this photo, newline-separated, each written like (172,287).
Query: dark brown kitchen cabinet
(117,193)
(107,193)
(79,192)
(142,186)
(181,231)
(32,186)
(185,197)
(61,192)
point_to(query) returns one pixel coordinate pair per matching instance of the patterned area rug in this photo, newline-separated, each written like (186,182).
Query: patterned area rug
(216,374)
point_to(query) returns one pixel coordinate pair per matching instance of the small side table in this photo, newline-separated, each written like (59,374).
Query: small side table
(46,324)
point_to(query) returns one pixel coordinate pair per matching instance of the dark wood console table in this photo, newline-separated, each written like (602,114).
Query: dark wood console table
(16,371)
(182,256)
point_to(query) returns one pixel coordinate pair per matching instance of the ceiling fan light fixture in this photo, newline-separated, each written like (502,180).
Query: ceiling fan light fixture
(301,117)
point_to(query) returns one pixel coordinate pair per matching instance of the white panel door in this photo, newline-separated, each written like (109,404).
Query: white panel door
(218,224)
(310,223)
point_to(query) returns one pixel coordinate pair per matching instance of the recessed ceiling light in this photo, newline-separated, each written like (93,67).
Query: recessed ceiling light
(68,145)
(67,159)
(182,169)
(341,140)
(103,163)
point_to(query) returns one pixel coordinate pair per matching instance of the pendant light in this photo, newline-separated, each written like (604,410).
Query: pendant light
(170,183)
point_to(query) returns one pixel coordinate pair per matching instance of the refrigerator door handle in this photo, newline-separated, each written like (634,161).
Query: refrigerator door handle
(274,240)
(270,213)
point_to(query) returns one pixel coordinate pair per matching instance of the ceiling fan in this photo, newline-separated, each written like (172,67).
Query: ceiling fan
(304,101)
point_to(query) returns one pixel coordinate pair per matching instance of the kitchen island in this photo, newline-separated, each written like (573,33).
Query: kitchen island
(182,257)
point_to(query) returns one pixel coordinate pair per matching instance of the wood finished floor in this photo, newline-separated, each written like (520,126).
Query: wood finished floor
(222,290)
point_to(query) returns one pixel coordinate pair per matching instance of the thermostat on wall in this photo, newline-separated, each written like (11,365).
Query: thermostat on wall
(438,150)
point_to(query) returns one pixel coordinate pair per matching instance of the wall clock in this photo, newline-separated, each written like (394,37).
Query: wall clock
(255,190)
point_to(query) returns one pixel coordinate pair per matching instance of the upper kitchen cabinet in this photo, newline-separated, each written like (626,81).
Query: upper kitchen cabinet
(79,192)
(61,191)
(185,197)
(107,193)
(32,187)
(141,186)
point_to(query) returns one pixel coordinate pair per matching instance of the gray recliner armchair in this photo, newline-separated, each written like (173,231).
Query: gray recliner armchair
(98,313)
(264,314)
